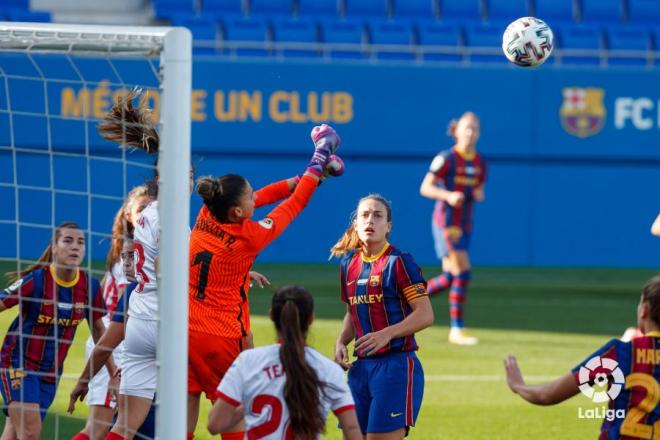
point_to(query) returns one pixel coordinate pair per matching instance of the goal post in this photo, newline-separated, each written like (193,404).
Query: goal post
(173,46)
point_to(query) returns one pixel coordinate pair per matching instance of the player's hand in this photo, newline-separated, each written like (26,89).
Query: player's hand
(341,355)
(335,166)
(78,392)
(478,194)
(249,341)
(260,279)
(513,375)
(455,198)
(113,385)
(326,141)
(372,342)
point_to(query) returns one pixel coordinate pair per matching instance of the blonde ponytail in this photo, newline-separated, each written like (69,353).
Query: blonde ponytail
(348,242)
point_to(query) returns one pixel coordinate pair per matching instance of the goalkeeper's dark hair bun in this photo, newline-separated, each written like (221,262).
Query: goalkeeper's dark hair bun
(221,194)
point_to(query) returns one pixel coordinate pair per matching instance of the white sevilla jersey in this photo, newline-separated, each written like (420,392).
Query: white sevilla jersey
(114,281)
(146,244)
(256,380)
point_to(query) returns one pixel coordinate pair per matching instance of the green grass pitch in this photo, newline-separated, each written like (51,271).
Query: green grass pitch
(550,318)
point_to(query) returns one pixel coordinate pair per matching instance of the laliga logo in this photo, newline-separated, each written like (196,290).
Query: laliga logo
(596,371)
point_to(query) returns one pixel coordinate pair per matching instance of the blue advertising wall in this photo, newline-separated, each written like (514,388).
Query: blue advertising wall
(574,154)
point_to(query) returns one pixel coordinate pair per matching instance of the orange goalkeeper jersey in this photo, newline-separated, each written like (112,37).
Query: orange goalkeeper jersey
(221,256)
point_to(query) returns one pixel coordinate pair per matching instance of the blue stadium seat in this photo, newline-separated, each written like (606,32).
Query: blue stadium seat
(579,38)
(392,33)
(19,4)
(296,31)
(628,39)
(555,12)
(419,9)
(222,8)
(318,8)
(507,10)
(249,30)
(438,36)
(204,30)
(461,10)
(278,8)
(347,32)
(167,9)
(367,8)
(28,16)
(601,11)
(485,38)
(644,12)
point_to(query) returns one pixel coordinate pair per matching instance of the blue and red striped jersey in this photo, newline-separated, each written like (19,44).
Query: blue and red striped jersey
(50,311)
(457,172)
(379,291)
(636,383)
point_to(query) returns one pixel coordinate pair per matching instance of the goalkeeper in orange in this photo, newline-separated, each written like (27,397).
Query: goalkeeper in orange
(223,246)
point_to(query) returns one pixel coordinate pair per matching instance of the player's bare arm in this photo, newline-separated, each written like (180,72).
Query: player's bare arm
(223,416)
(349,425)
(420,318)
(346,335)
(430,190)
(549,393)
(98,329)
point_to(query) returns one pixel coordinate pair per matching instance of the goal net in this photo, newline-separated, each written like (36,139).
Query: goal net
(57,82)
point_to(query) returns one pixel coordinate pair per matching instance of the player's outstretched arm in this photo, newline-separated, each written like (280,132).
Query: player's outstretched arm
(223,416)
(349,425)
(655,227)
(549,393)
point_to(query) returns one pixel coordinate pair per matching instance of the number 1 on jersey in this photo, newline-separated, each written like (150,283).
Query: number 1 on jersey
(204,258)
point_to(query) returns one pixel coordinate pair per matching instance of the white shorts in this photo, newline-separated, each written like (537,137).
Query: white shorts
(139,372)
(98,387)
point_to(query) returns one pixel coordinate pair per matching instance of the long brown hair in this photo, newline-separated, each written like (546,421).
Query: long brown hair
(291,310)
(350,240)
(651,295)
(221,194)
(122,228)
(47,255)
(132,127)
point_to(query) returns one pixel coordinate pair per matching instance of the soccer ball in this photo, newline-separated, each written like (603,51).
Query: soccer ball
(527,42)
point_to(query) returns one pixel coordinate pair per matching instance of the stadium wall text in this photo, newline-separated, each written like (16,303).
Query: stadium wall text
(574,154)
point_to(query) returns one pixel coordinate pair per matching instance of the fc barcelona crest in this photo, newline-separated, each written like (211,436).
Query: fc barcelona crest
(583,111)
(374,280)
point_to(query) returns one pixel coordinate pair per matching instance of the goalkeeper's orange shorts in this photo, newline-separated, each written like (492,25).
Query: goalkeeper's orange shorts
(209,358)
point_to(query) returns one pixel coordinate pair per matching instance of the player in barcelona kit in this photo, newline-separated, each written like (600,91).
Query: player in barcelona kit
(624,374)
(386,304)
(455,180)
(54,296)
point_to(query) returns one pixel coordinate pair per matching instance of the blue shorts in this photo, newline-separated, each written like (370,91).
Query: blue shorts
(28,387)
(387,390)
(449,239)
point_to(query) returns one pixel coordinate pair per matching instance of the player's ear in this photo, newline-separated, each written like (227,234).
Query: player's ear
(311,319)
(644,310)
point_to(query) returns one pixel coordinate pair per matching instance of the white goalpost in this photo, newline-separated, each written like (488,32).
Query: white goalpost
(58,61)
